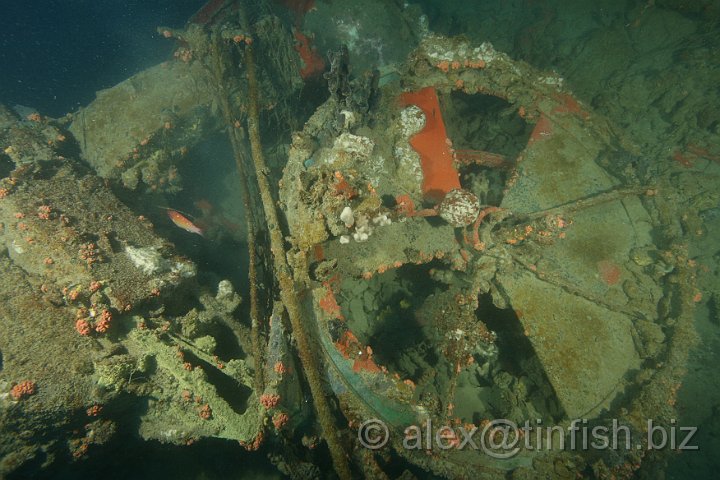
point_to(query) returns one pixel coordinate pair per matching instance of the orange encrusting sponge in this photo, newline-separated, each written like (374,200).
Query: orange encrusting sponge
(436,160)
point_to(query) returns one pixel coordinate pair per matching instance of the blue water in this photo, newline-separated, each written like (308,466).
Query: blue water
(55,55)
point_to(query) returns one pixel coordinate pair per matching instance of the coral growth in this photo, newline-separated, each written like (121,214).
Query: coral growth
(82,326)
(205,412)
(23,390)
(280,419)
(103,323)
(269,400)
(94,411)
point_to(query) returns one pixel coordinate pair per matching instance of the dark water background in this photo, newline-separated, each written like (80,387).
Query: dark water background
(55,54)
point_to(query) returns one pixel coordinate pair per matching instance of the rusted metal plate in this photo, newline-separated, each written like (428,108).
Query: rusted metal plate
(585,348)
(571,298)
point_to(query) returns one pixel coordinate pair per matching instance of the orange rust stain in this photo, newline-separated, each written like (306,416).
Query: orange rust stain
(542,130)
(298,6)
(319,253)
(568,104)
(314,63)
(347,344)
(609,272)
(682,159)
(702,152)
(333,282)
(342,187)
(405,205)
(205,14)
(436,160)
(365,362)
(329,304)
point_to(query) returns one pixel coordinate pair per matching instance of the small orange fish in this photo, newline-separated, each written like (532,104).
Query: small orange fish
(182,221)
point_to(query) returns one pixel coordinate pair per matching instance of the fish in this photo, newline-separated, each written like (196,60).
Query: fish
(183,222)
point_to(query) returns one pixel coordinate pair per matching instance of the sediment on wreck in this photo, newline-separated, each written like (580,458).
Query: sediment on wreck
(216,46)
(503,301)
(308,358)
(532,283)
(218,62)
(86,286)
(310,362)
